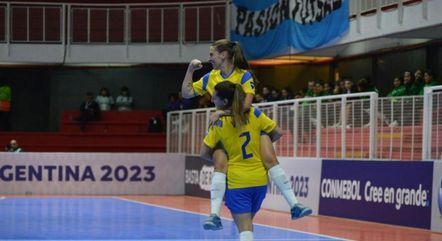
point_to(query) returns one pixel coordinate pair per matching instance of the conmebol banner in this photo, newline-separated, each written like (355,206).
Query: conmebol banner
(268,28)
(380,191)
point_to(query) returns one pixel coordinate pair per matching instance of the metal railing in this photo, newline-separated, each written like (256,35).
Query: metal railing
(432,124)
(304,124)
(358,7)
(193,22)
(400,128)
(355,126)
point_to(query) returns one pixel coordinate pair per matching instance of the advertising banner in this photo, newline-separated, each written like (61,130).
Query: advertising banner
(380,191)
(198,176)
(436,212)
(305,175)
(91,173)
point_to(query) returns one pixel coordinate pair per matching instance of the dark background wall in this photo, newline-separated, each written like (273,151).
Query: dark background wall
(149,86)
(31,97)
(294,77)
(40,94)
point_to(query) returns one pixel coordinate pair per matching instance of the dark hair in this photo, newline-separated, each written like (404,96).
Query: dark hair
(124,88)
(105,89)
(429,72)
(399,78)
(234,94)
(235,54)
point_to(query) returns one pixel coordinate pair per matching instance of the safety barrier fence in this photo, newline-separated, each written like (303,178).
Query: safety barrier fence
(353,126)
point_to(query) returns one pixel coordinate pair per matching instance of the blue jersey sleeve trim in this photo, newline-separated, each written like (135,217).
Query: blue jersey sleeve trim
(205,81)
(218,123)
(257,112)
(246,76)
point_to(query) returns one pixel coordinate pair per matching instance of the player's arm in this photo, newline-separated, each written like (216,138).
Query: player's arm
(210,140)
(206,152)
(275,134)
(186,88)
(269,126)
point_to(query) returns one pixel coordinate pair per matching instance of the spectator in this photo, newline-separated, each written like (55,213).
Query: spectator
(89,110)
(286,94)
(259,98)
(13,147)
(275,95)
(124,100)
(419,78)
(317,89)
(300,94)
(411,88)
(327,89)
(393,108)
(173,104)
(398,88)
(428,81)
(104,99)
(266,94)
(337,90)
(348,87)
(310,89)
(204,101)
(342,85)
(5,107)
(185,103)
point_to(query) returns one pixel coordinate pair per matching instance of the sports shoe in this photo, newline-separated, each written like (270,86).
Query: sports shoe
(213,223)
(299,211)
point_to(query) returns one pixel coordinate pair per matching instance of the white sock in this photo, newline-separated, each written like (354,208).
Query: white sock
(246,236)
(279,178)
(217,190)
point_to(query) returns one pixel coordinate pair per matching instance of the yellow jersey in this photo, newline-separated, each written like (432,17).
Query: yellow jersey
(245,167)
(238,76)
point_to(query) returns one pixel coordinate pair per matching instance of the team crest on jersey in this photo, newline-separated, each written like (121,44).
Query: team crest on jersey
(252,85)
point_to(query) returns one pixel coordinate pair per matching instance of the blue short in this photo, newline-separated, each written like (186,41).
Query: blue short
(245,200)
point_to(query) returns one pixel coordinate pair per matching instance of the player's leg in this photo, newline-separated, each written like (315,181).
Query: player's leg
(280,179)
(217,190)
(244,224)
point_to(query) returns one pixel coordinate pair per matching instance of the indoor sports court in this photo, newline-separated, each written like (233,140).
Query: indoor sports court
(170,218)
(107,106)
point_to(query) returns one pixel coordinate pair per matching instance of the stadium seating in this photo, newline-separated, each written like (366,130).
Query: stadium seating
(115,132)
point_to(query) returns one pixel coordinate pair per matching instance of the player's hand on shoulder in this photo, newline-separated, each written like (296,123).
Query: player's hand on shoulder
(216,115)
(195,64)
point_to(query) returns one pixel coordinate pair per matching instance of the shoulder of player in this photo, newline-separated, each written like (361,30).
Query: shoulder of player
(255,111)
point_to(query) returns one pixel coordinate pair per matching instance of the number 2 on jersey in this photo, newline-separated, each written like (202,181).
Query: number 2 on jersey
(245,155)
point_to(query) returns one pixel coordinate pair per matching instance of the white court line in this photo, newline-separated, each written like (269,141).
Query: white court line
(265,225)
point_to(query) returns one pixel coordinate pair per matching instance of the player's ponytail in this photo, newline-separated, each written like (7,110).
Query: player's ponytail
(239,117)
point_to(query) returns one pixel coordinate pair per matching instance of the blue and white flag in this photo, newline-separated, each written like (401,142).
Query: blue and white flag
(268,28)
